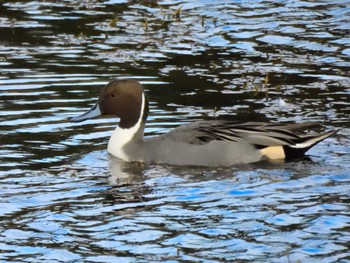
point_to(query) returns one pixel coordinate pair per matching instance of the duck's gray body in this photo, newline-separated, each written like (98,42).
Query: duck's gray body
(183,146)
(204,143)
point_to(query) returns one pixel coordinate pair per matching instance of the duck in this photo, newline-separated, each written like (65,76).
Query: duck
(199,143)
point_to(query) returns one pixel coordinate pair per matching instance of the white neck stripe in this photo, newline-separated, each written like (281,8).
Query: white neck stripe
(122,136)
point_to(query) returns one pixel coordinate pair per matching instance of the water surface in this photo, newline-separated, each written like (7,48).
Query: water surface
(63,199)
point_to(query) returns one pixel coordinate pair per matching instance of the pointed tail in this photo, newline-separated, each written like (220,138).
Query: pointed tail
(299,149)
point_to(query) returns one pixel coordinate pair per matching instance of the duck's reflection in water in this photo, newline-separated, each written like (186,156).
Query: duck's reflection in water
(128,181)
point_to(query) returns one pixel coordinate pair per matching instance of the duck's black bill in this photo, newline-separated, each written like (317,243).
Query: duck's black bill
(92,113)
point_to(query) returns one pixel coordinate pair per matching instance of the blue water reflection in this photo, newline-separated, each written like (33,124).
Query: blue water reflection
(64,199)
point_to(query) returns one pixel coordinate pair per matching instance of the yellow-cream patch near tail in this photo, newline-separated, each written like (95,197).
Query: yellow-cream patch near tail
(273,152)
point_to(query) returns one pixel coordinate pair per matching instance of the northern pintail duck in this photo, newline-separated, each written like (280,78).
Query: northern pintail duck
(204,143)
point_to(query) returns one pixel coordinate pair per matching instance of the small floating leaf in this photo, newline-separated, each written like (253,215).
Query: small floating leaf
(278,88)
(113,22)
(257,89)
(266,81)
(215,110)
(81,35)
(177,12)
(145,23)
(213,65)
(13,21)
(267,97)
(203,21)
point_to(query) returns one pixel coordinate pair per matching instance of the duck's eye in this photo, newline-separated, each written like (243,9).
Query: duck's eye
(113,95)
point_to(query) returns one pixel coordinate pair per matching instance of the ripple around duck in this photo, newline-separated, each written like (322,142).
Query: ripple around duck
(161,214)
(166,212)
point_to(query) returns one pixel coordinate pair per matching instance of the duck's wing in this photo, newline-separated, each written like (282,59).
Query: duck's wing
(203,132)
(291,137)
(256,133)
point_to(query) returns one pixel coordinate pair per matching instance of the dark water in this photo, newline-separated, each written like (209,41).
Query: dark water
(63,199)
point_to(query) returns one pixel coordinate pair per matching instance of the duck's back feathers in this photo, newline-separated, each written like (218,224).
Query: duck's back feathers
(274,141)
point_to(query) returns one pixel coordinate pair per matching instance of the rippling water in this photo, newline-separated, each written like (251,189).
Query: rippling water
(63,199)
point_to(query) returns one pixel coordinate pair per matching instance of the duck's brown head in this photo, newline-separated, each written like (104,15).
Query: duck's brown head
(123,98)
